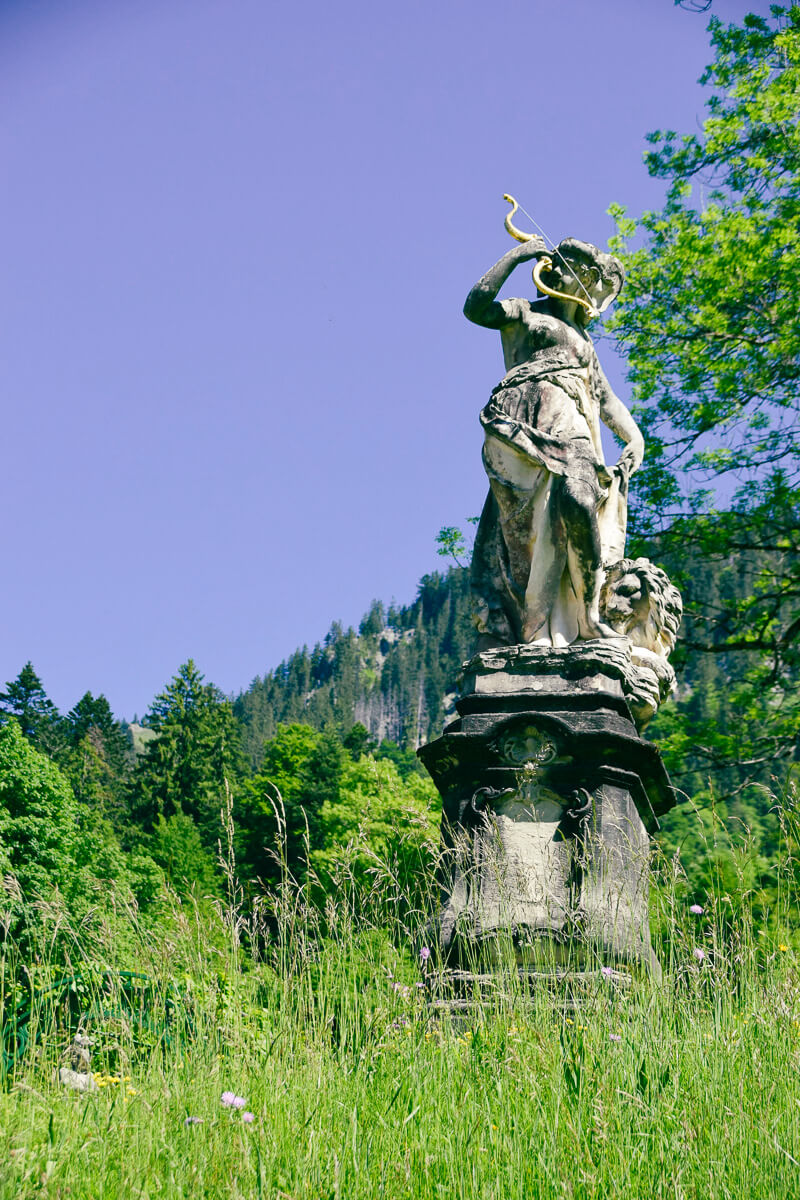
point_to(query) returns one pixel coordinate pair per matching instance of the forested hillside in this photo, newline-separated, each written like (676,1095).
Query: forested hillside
(395,675)
(330,735)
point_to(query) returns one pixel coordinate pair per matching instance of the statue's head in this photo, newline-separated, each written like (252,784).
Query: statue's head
(638,600)
(581,269)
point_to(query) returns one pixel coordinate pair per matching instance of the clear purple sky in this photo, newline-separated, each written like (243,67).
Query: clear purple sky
(239,395)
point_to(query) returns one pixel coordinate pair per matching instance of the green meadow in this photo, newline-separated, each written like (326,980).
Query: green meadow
(293,1046)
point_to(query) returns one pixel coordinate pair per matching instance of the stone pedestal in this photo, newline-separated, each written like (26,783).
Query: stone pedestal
(549,797)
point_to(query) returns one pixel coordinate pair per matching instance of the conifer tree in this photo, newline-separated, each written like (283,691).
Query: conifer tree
(97,757)
(26,700)
(196,748)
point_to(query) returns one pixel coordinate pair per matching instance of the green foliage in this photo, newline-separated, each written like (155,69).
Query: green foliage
(708,323)
(451,543)
(404,759)
(176,846)
(196,748)
(357,742)
(283,802)
(325,808)
(378,816)
(57,855)
(38,816)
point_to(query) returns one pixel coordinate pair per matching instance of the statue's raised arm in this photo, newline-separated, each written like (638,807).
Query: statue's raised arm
(481,305)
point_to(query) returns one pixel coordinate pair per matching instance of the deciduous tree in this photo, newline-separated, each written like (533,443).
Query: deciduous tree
(708,322)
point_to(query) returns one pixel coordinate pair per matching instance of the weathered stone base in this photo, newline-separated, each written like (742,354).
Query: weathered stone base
(464,993)
(549,797)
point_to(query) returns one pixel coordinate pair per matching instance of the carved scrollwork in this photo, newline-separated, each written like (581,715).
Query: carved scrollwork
(578,812)
(526,747)
(474,808)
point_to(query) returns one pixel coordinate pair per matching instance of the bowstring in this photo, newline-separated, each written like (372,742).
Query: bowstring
(558,252)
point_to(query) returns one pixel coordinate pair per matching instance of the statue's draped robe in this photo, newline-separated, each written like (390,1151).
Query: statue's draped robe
(542,423)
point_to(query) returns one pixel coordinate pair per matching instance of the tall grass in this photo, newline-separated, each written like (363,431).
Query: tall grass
(360,1087)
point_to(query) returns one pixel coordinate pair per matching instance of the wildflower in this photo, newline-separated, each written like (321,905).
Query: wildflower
(607,971)
(614,1037)
(699,954)
(424,954)
(193,1121)
(696,909)
(248,1118)
(231,1100)
(783,948)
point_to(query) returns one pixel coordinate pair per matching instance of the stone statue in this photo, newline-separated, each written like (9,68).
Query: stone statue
(555,514)
(549,791)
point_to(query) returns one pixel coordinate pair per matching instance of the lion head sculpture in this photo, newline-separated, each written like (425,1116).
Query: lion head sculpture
(638,600)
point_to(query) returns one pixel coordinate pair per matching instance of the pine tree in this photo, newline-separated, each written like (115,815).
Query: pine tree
(196,748)
(97,757)
(26,700)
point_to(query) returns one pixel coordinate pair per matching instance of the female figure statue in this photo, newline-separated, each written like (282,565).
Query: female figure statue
(555,513)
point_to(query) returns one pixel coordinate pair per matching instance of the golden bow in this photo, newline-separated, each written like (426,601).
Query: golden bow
(545,263)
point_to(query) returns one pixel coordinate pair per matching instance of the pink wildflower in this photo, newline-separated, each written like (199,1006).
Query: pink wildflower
(699,954)
(696,909)
(607,971)
(248,1117)
(614,1037)
(231,1100)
